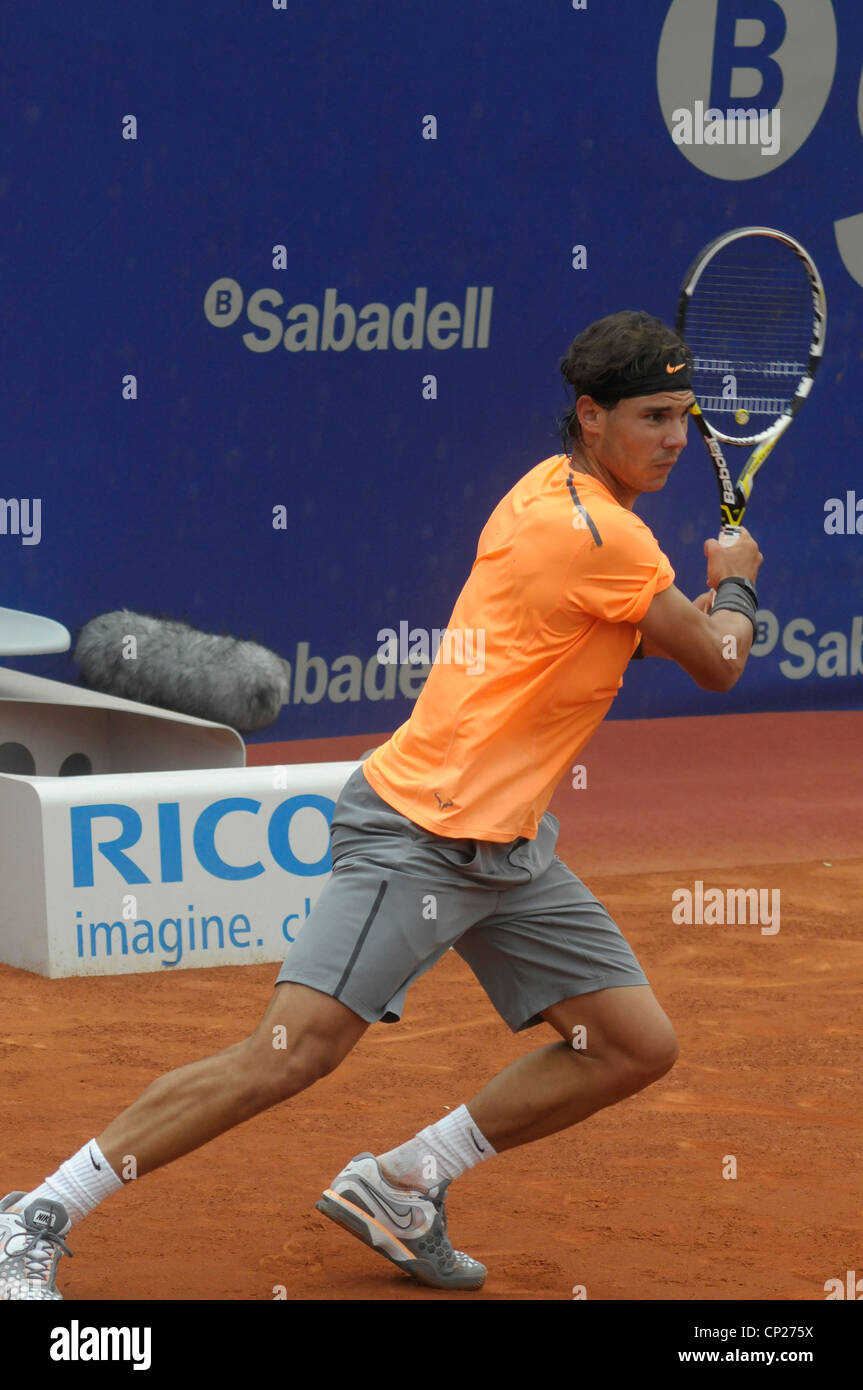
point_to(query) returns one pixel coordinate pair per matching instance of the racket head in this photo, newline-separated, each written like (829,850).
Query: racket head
(753,313)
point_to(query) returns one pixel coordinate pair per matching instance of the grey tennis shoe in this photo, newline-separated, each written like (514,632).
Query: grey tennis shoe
(408,1227)
(31,1242)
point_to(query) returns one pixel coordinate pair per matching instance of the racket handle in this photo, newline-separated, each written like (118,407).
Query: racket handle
(729,535)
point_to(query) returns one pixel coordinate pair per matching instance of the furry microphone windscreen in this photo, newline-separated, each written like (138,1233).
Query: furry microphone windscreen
(171,665)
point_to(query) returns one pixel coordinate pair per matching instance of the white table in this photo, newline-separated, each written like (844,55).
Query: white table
(26,634)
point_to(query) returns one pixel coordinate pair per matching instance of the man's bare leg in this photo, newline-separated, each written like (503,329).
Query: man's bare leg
(302,1036)
(627,1043)
(617,1041)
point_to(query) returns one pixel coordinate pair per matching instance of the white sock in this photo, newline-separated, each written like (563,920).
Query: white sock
(438,1153)
(80,1183)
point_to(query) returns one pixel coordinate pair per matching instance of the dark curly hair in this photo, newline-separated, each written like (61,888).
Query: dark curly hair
(620,347)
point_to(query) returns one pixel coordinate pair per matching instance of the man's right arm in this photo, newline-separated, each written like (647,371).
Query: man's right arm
(712,648)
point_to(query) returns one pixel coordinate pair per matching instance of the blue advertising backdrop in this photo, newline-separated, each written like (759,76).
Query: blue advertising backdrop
(172,379)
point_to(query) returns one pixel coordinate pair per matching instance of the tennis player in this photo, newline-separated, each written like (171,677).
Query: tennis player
(442,838)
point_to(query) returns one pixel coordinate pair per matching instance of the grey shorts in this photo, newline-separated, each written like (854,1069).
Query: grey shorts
(399,897)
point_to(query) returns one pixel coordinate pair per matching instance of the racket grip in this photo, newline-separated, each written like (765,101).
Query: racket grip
(729,535)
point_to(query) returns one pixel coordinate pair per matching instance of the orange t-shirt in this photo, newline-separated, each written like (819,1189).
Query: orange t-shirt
(533,657)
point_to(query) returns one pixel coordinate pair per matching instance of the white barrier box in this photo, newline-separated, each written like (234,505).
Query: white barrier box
(114,874)
(51,729)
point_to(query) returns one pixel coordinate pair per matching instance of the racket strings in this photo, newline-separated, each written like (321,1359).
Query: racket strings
(749,328)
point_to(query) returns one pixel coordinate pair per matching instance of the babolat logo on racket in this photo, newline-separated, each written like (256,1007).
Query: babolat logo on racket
(729,496)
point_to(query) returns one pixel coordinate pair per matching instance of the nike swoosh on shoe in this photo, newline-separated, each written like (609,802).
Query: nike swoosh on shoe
(401,1216)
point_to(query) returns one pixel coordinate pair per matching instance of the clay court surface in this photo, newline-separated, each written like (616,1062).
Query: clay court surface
(631,1204)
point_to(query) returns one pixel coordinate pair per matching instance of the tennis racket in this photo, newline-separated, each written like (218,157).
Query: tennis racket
(753,313)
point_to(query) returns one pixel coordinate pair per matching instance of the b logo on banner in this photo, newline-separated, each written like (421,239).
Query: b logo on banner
(849,230)
(730,54)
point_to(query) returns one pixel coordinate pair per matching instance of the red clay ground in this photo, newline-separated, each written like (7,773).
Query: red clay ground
(632,1204)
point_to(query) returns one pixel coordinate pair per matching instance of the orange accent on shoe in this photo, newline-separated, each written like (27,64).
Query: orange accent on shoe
(343,1201)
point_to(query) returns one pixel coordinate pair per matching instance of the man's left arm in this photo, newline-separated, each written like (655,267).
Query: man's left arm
(648,647)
